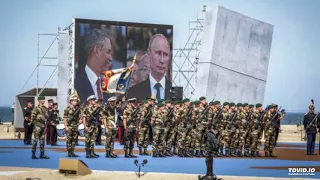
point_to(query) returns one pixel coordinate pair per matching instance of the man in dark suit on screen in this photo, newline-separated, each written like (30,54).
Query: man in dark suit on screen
(156,84)
(98,50)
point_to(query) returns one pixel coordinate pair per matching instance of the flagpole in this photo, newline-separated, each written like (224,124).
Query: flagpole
(132,65)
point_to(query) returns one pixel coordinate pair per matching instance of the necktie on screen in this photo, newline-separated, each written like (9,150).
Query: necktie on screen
(158,86)
(99,89)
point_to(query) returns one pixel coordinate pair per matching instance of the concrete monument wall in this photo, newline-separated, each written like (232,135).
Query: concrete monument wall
(234,58)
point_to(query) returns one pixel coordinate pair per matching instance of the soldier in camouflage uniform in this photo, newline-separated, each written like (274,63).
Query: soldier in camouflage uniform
(241,124)
(108,120)
(177,112)
(129,118)
(247,129)
(201,125)
(38,119)
(168,132)
(90,115)
(231,130)
(71,118)
(224,137)
(195,136)
(185,112)
(269,130)
(145,114)
(157,123)
(255,129)
(213,121)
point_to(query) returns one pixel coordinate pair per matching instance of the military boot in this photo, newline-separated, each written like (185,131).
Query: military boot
(161,154)
(69,154)
(180,154)
(145,152)
(233,153)
(94,155)
(175,151)
(73,154)
(246,154)
(34,155)
(42,156)
(107,154)
(227,153)
(271,154)
(154,154)
(266,154)
(258,154)
(131,154)
(169,153)
(126,155)
(202,153)
(240,154)
(88,153)
(253,154)
(113,155)
(188,154)
(140,151)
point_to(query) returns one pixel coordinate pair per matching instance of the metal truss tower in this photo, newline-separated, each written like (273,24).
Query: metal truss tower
(185,59)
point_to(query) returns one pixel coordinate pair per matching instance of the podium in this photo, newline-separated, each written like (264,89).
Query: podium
(73,167)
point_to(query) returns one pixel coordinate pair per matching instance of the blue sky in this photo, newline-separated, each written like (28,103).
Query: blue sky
(294,61)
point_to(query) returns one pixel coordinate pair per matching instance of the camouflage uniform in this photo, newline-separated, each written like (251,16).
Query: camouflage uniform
(248,131)
(213,124)
(177,112)
(241,124)
(72,132)
(224,131)
(182,130)
(108,119)
(157,122)
(169,132)
(38,118)
(191,136)
(91,124)
(255,129)
(130,131)
(144,124)
(231,129)
(202,124)
(269,135)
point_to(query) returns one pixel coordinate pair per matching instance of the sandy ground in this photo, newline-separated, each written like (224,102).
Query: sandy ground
(21,174)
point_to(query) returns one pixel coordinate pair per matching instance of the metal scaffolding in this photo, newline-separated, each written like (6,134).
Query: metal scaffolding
(185,59)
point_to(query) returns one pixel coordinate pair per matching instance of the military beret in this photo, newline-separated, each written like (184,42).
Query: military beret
(144,101)
(251,106)
(239,105)
(197,102)
(216,102)
(225,104)
(73,98)
(92,97)
(41,98)
(132,100)
(202,98)
(50,100)
(192,103)
(245,104)
(159,104)
(55,104)
(185,100)
(151,98)
(232,104)
(258,105)
(168,101)
(176,102)
(160,101)
(272,106)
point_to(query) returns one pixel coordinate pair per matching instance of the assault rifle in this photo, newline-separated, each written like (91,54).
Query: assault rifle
(314,119)
(247,120)
(232,119)
(75,113)
(169,117)
(187,117)
(134,115)
(273,118)
(204,112)
(93,115)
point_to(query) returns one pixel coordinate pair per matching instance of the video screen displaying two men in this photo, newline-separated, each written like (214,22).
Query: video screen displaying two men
(101,46)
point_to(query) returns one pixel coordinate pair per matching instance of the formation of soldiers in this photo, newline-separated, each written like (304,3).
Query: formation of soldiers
(177,127)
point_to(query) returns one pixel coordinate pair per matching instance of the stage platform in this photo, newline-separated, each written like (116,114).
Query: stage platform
(14,153)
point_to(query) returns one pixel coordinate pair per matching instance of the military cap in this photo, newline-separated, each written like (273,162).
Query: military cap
(41,98)
(73,98)
(251,106)
(258,105)
(159,104)
(192,103)
(311,106)
(50,100)
(92,97)
(132,100)
(151,98)
(176,102)
(216,102)
(113,98)
(185,100)
(225,104)
(272,106)
(245,104)
(232,104)
(55,104)
(168,101)
(197,102)
(202,98)
(239,105)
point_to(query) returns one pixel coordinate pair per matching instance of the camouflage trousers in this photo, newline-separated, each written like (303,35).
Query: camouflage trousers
(190,142)
(199,138)
(247,141)
(71,138)
(270,139)
(143,137)
(260,133)
(181,137)
(110,134)
(224,139)
(239,139)
(90,136)
(129,138)
(38,134)
(254,141)
(169,135)
(158,140)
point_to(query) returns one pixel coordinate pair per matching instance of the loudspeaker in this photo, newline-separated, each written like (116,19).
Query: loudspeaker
(73,167)
(177,93)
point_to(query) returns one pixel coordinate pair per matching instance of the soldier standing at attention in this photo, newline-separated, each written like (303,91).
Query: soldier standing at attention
(38,119)
(27,111)
(99,129)
(169,132)
(90,115)
(231,130)
(241,127)
(109,121)
(144,125)
(48,124)
(310,127)
(247,129)
(269,132)
(157,123)
(129,122)
(225,115)
(71,119)
(53,117)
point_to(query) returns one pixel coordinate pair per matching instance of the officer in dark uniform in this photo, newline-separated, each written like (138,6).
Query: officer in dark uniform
(48,135)
(99,123)
(27,111)
(53,118)
(310,126)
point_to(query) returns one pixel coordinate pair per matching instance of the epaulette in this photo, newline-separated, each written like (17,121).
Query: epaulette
(25,108)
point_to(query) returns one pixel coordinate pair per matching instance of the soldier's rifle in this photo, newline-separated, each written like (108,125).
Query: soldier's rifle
(93,115)
(231,120)
(273,118)
(247,120)
(75,113)
(187,117)
(134,115)
(312,122)
(169,117)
